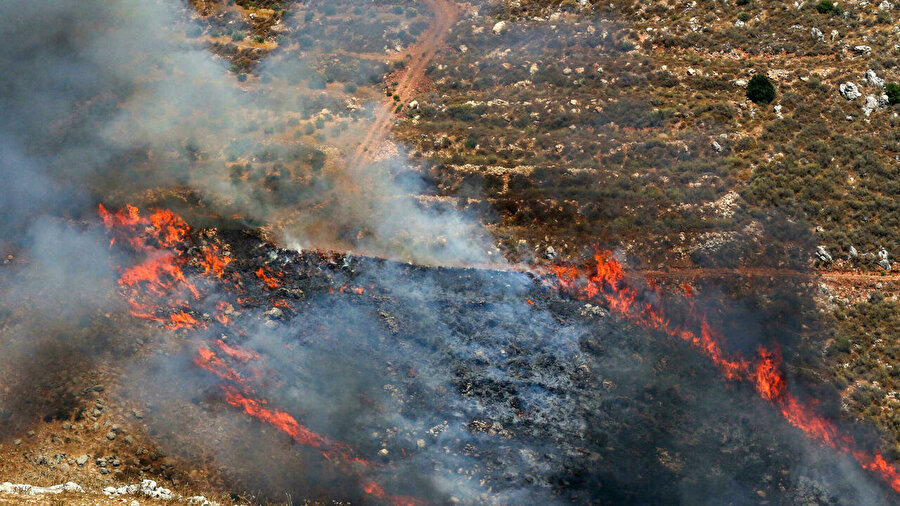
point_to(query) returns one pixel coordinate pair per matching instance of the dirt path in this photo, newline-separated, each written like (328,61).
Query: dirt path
(753,272)
(409,79)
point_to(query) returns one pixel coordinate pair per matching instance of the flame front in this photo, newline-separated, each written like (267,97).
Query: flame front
(157,289)
(605,283)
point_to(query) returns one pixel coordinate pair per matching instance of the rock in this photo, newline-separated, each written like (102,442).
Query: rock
(383,452)
(129,440)
(716,146)
(850,91)
(739,23)
(834,34)
(270,324)
(823,255)
(817,34)
(150,489)
(533,69)
(550,253)
(883,254)
(885,5)
(872,103)
(499,28)
(420,443)
(275,312)
(110,435)
(202,501)
(884,264)
(852,254)
(873,80)
(414,105)
(82,460)
(740,82)
(866,50)
(22,489)
(777,110)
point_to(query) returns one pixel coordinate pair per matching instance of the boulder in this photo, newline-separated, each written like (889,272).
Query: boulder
(873,80)
(823,255)
(499,28)
(850,91)
(874,102)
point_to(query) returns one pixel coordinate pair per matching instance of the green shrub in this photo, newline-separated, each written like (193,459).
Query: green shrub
(893,93)
(744,17)
(828,7)
(760,90)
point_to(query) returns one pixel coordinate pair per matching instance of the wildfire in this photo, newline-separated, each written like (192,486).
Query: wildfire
(270,281)
(606,283)
(157,285)
(213,262)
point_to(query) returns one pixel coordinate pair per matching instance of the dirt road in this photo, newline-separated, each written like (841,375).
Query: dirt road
(409,79)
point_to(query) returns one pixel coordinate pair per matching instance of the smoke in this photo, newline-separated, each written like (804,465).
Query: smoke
(52,324)
(514,402)
(111,96)
(108,102)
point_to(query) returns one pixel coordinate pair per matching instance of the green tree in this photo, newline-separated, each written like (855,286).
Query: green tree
(893,93)
(760,90)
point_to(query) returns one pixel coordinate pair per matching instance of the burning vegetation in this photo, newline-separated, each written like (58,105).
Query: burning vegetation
(220,273)
(204,287)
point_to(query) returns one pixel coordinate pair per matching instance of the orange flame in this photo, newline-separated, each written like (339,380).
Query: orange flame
(268,280)
(606,283)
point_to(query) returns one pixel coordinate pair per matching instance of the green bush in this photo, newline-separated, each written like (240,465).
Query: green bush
(760,90)
(827,7)
(893,93)
(744,16)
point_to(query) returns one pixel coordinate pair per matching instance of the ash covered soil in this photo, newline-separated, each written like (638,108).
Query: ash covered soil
(471,385)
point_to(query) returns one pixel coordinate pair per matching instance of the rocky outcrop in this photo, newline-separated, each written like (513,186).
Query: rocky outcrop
(850,91)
